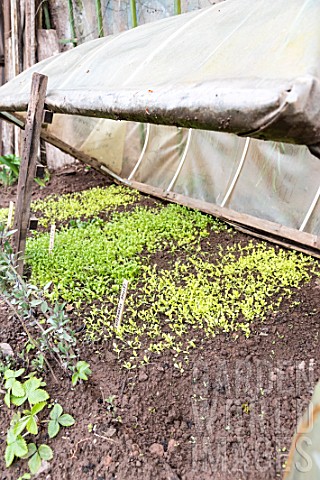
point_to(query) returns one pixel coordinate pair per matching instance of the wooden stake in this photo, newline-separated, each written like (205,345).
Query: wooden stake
(120,309)
(52,236)
(31,142)
(10,215)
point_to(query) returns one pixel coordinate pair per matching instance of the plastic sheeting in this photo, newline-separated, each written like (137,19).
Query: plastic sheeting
(242,67)
(250,68)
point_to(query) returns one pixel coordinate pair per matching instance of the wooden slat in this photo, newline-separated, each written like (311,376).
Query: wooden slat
(48,44)
(276,230)
(30,34)
(15,47)
(28,163)
(277,241)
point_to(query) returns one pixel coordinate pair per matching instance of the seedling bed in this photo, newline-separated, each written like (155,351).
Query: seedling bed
(215,358)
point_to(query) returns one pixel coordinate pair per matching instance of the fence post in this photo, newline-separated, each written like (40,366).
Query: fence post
(31,141)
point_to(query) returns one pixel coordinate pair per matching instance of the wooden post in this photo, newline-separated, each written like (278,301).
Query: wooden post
(30,34)
(31,141)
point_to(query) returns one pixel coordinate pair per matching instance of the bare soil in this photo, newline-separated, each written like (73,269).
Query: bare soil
(230,414)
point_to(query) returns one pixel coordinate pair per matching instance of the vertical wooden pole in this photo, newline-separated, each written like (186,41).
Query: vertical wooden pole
(15,37)
(16,57)
(31,142)
(8,136)
(7,39)
(30,34)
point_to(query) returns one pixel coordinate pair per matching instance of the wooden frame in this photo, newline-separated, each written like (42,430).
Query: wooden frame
(31,142)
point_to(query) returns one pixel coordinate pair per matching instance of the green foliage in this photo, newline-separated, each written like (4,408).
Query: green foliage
(55,337)
(92,261)
(16,447)
(81,372)
(221,291)
(42,182)
(12,385)
(28,423)
(57,419)
(4,212)
(25,476)
(243,284)
(31,392)
(36,455)
(82,204)
(9,169)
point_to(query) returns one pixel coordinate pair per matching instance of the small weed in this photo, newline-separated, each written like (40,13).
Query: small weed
(81,372)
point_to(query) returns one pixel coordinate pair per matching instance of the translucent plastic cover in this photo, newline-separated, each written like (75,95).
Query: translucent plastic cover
(250,68)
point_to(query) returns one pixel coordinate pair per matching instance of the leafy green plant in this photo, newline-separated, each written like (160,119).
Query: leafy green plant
(42,182)
(36,455)
(91,262)
(81,372)
(28,422)
(30,392)
(16,447)
(9,169)
(58,419)
(12,385)
(25,476)
(55,337)
(243,284)
(84,204)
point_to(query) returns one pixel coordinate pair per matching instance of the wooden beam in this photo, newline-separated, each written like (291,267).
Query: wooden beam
(31,143)
(273,230)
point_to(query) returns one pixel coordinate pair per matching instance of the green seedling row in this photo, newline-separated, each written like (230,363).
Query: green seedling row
(196,294)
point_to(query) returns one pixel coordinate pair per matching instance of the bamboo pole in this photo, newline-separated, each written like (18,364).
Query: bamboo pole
(99,18)
(46,12)
(177,7)
(72,23)
(133,9)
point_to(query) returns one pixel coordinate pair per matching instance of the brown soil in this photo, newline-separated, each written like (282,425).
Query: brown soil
(230,414)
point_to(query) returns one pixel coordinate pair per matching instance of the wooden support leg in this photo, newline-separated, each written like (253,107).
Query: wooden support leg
(31,141)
